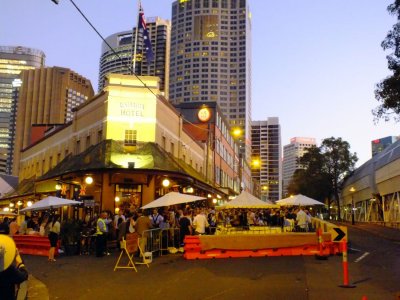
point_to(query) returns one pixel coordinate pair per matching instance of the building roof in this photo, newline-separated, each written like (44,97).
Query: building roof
(11,180)
(99,157)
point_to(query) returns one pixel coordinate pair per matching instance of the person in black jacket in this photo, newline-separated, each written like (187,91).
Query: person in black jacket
(12,269)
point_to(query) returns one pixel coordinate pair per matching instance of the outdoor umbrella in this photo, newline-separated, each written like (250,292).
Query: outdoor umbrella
(7,213)
(247,200)
(172,198)
(50,203)
(298,200)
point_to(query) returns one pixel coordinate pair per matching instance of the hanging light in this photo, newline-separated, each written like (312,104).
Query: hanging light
(165,182)
(29,203)
(19,203)
(11,204)
(215,201)
(117,199)
(89,180)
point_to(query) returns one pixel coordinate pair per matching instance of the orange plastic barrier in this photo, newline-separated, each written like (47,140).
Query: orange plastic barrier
(33,244)
(193,250)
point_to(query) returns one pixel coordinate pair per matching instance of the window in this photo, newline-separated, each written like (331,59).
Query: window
(78,147)
(87,142)
(130,137)
(172,148)
(99,136)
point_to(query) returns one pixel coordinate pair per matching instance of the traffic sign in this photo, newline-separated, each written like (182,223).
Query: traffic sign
(338,233)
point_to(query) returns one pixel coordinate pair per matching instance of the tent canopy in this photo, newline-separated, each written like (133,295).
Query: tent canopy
(172,198)
(298,200)
(247,200)
(50,203)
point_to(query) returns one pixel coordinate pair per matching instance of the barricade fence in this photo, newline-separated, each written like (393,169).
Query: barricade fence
(160,241)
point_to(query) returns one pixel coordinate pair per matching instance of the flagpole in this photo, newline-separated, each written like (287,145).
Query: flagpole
(136,38)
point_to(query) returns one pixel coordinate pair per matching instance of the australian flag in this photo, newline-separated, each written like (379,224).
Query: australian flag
(146,39)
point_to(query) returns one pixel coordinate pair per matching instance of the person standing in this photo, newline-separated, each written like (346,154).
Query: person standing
(156,219)
(200,223)
(54,232)
(101,235)
(301,220)
(4,226)
(12,270)
(185,225)
(143,224)
(23,229)
(14,227)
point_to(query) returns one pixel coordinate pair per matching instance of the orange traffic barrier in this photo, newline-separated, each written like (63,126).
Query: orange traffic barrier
(321,246)
(345,267)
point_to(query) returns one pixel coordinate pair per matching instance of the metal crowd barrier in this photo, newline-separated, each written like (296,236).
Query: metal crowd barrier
(161,240)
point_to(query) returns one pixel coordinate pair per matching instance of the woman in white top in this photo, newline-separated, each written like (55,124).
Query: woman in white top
(54,232)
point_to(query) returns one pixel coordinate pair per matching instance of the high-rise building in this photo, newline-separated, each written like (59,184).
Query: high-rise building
(266,167)
(211,59)
(291,155)
(47,96)
(13,60)
(379,145)
(123,44)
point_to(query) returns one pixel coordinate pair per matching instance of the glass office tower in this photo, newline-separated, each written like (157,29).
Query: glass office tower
(13,60)
(211,59)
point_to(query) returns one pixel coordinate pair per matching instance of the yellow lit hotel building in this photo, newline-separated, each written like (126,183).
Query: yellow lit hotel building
(129,140)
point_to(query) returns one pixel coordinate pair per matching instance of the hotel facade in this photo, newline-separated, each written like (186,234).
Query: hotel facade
(128,140)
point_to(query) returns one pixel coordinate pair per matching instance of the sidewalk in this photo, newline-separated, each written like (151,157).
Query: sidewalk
(36,289)
(387,233)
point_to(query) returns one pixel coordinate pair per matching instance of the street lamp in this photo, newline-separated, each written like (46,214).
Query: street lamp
(352,190)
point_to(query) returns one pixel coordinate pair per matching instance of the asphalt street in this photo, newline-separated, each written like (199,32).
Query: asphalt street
(374,266)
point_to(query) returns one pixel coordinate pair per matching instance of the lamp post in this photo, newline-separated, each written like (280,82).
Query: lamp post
(352,190)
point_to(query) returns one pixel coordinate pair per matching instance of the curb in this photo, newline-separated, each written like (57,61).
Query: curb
(37,290)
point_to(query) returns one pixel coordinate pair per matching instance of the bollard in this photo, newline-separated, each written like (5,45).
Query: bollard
(321,255)
(345,267)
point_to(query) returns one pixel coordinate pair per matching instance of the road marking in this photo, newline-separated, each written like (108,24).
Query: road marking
(353,249)
(362,257)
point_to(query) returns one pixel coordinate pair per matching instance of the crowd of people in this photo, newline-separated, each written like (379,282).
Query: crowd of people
(97,231)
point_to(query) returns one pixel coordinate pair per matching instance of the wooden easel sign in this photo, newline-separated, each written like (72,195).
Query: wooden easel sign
(129,246)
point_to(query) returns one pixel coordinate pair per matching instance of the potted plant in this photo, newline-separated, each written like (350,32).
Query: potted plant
(70,236)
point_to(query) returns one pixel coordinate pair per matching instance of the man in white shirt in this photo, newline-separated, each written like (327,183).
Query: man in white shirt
(301,219)
(116,218)
(200,223)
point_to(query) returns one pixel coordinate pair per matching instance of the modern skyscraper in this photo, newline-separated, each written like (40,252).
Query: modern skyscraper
(47,97)
(211,59)
(13,60)
(291,155)
(123,43)
(266,167)
(379,145)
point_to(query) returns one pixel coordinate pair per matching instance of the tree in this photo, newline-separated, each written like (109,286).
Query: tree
(338,163)
(324,169)
(311,180)
(387,92)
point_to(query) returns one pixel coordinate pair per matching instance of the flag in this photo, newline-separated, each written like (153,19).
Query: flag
(147,42)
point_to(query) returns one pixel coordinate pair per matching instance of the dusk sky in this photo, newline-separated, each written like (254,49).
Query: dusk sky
(315,62)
